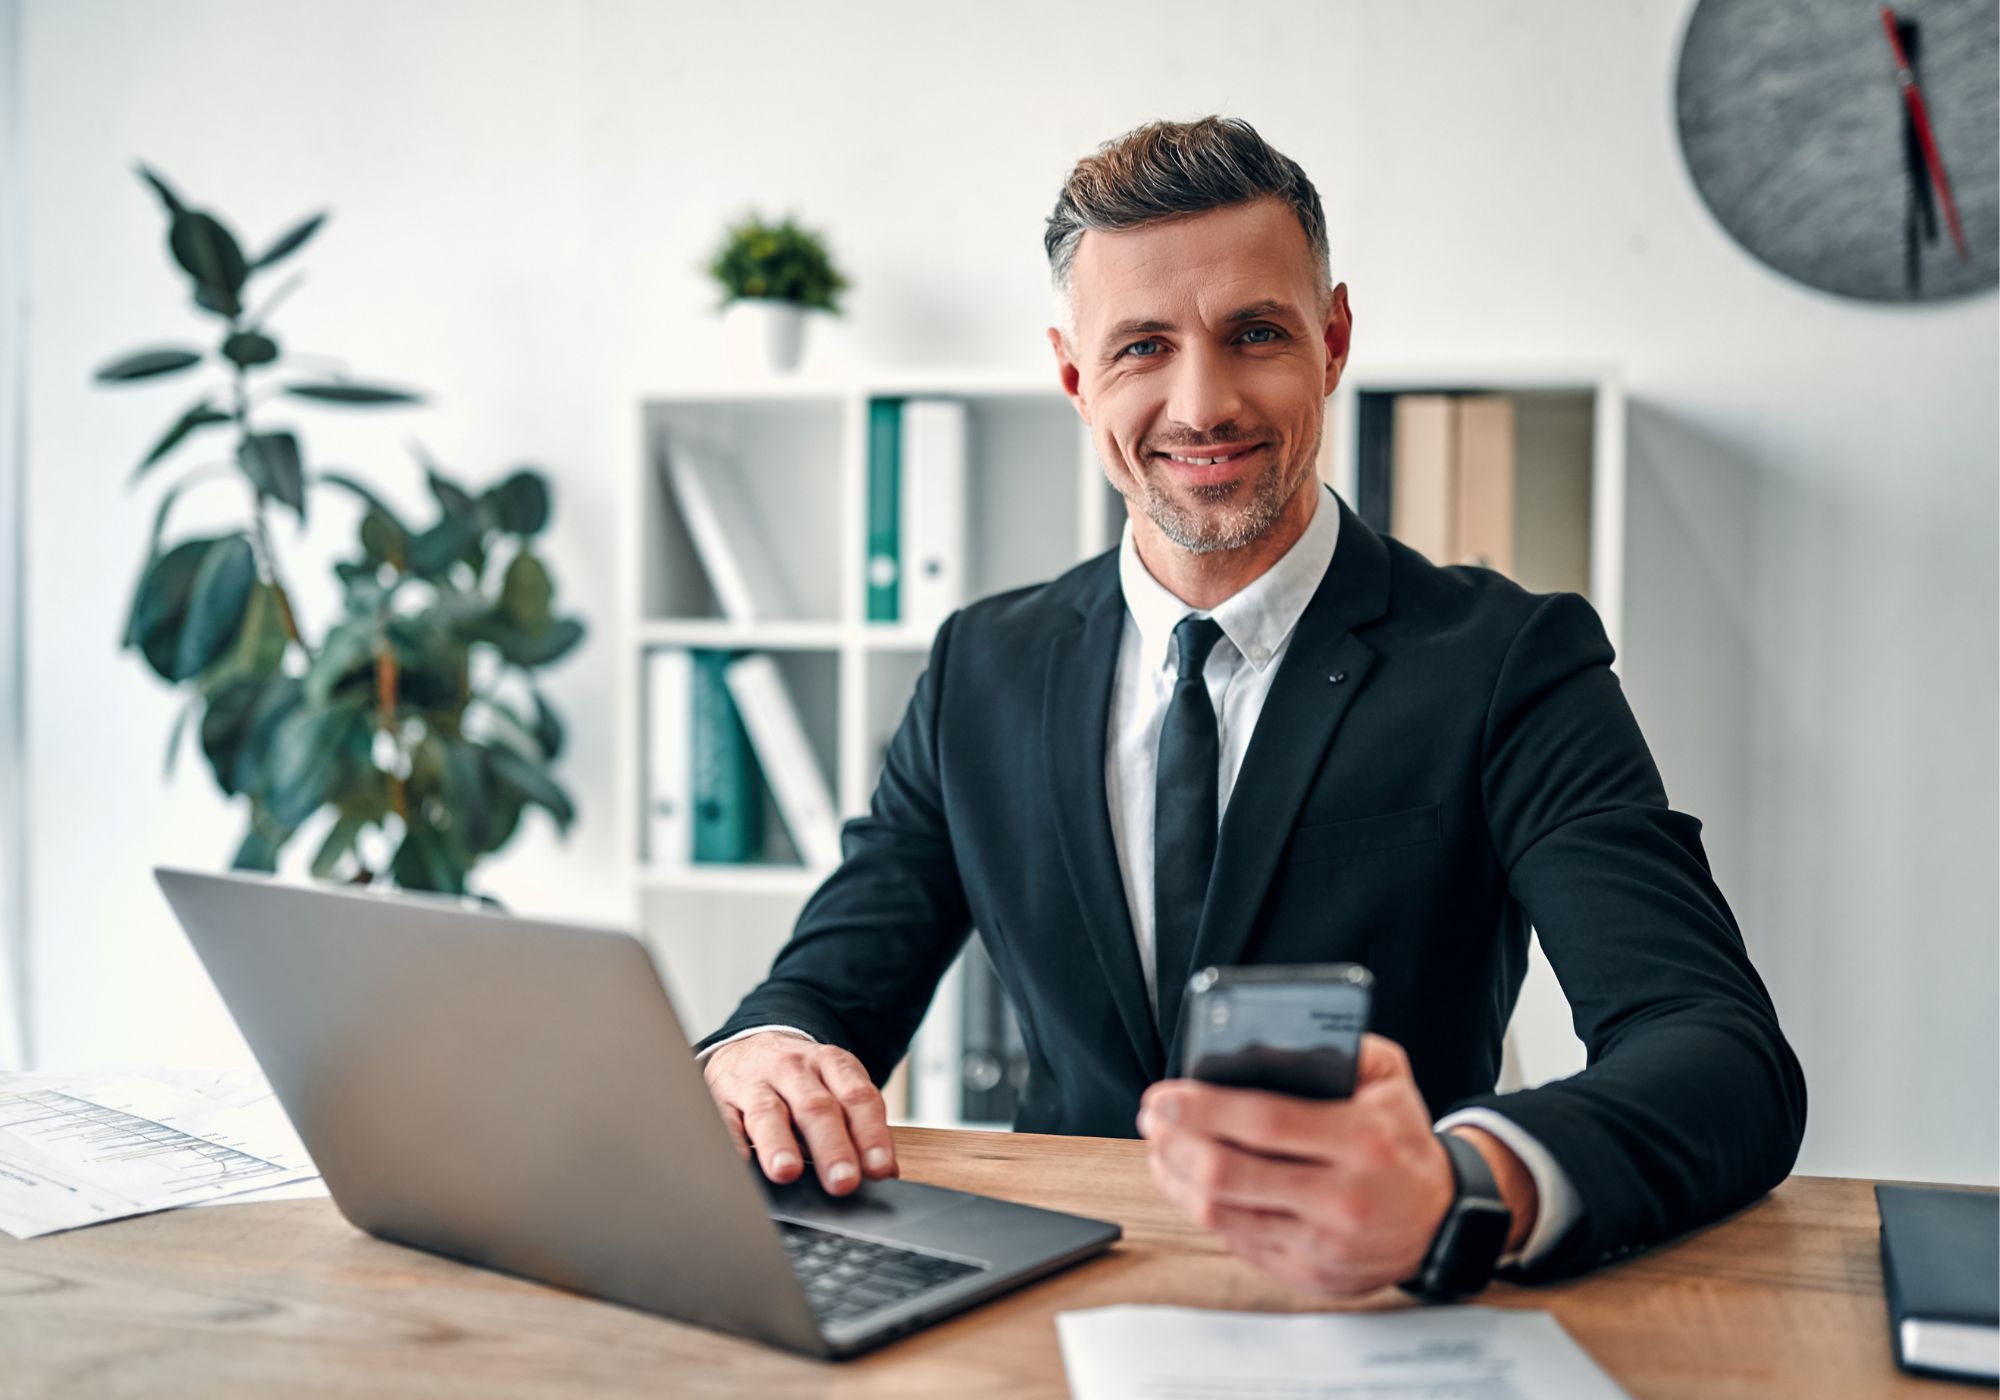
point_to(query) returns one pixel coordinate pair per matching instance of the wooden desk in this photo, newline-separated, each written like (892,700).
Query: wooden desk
(287,1299)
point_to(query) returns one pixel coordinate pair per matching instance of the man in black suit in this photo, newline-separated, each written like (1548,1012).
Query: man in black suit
(1259,732)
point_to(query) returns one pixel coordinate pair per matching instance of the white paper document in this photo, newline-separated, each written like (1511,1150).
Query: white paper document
(80,1149)
(1455,1353)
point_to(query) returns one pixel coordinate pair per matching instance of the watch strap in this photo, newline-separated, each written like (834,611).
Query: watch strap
(1473,1233)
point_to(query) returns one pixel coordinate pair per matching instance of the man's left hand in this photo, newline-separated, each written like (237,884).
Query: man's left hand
(1336,1197)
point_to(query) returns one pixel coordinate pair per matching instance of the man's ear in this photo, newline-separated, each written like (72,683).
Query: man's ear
(1067,372)
(1338,334)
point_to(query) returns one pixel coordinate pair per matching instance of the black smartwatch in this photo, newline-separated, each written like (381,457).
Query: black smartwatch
(1474,1233)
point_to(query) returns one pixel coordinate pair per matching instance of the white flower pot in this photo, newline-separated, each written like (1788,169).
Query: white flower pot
(766,333)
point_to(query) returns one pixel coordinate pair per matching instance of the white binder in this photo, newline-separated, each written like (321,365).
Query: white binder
(932,523)
(669,738)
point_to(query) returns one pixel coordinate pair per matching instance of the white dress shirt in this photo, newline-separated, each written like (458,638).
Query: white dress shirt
(1257,624)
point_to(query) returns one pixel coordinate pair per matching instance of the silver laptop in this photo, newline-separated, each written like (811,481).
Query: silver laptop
(519,1095)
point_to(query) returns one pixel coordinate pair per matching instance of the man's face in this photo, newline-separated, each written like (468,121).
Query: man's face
(1197,338)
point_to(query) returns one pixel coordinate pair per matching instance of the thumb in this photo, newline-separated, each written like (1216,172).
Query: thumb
(1382,1060)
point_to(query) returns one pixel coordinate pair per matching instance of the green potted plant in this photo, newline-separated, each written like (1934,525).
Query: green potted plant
(771,275)
(417,716)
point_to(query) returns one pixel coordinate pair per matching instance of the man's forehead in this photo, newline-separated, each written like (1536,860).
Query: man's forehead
(1211,264)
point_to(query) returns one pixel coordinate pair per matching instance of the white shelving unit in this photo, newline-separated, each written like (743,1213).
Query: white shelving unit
(1037,503)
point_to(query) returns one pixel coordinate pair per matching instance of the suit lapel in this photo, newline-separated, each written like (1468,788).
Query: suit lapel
(1076,707)
(1305,706)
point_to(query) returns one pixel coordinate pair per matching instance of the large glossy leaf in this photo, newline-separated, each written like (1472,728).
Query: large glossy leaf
(246,752)
(446,543)
(217,601)
(248,348)
(202,415)
(384,537)
(148,364)
(227,723)
(339,841)
(506,819)
(262,844)
(160,602)
(533,783)
(426,861)
(456,501)
(346,656)
(465,794)
(210,254)
(260,643)
(520,503)
(548,728)
(168,198)
(542,648)
(304,768)
(526,592)
(289,242)
(272,462)
(507,729)
(432,661)
(383,541)
(354,395)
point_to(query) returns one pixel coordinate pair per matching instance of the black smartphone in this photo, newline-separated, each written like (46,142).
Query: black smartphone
(1292,1030)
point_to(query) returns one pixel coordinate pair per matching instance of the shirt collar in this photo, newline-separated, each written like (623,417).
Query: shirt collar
(1258,617)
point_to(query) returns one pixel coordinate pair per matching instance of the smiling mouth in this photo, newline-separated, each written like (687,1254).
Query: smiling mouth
(1210,459)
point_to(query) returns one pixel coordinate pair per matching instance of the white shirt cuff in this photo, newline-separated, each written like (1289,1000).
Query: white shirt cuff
(1558,1207)
(702,1058)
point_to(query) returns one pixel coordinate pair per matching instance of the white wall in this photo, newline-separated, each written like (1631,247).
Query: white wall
(524,192)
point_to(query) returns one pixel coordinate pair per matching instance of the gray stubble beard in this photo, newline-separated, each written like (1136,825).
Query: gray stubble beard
(1248,524)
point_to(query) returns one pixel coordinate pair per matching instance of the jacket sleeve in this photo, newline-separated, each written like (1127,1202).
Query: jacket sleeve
(1691,1103)
(874,940)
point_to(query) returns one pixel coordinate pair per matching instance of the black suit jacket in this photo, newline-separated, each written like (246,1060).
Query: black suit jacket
(1442,760)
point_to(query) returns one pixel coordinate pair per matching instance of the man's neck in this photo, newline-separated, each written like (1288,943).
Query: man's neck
(1202,581)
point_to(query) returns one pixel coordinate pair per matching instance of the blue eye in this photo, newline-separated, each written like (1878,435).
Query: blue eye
(1272,331)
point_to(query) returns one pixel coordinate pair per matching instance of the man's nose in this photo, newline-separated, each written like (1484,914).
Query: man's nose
(1204,394)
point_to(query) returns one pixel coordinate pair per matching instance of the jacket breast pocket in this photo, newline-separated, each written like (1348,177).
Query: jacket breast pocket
(1383,832)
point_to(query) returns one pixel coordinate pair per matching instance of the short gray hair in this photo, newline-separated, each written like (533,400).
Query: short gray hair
(1167,170)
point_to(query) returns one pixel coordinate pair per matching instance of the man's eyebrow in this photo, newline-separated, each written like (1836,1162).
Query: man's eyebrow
(1268,309)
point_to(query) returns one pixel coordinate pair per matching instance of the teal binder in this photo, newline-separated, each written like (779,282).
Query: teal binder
(727,799)
(885,451)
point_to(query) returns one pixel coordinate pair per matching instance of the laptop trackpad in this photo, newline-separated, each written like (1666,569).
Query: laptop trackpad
(878,1207)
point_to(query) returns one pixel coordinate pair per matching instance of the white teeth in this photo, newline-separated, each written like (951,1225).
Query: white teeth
(1208,461)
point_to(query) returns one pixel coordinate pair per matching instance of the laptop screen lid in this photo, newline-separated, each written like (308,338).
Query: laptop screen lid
(508,1091)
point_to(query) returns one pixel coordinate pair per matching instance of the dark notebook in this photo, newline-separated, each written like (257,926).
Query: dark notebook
(1941,1271)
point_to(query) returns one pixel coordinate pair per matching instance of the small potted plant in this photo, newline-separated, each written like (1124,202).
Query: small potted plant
(771,275)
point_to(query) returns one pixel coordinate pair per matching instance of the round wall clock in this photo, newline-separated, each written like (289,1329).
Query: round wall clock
(1851,147)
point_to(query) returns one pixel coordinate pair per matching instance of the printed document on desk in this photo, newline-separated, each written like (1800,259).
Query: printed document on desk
(81,1149)
(1469,1353)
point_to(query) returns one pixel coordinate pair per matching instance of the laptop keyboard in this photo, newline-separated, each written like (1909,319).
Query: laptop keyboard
(846,1276)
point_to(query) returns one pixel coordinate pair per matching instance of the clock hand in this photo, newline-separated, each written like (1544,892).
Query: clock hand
(1920,222)
(1918,114)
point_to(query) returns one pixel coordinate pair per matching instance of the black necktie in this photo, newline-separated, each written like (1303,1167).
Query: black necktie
(1184,818)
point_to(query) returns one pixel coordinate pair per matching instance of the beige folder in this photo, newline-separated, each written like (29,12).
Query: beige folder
(1451,492)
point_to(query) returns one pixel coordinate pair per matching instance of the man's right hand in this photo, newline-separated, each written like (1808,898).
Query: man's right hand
(772,1085)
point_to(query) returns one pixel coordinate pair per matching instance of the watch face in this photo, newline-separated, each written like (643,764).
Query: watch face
(1478,1235)
(1807,146)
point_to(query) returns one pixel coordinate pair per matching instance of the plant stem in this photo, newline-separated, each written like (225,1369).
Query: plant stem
(267,556)
(386,678)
